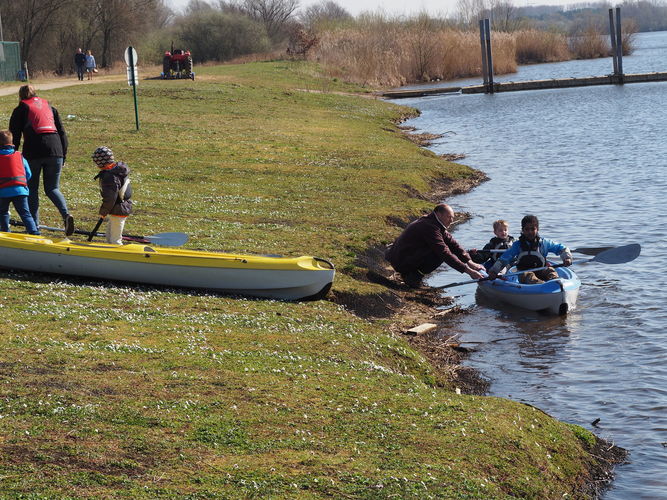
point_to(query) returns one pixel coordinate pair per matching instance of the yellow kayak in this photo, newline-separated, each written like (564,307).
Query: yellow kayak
(286,278)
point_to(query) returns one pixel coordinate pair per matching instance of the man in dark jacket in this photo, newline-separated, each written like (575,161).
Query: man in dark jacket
(425,244)
(80,63)
(45,148)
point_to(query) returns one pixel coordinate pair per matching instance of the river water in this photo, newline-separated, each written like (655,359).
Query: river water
(591,163)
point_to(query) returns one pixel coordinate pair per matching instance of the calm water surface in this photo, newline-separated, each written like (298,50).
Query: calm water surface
(591,163)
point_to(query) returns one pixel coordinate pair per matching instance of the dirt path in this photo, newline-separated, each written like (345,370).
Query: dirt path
(58,83)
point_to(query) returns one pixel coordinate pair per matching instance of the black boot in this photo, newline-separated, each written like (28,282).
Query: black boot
(69,225)
(413,279)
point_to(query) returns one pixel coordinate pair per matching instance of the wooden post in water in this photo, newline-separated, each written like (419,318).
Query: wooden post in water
(612,35)
(482,42)
(619,44)
(489,57)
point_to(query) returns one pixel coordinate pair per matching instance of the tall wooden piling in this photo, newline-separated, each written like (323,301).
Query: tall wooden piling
(612,36)
(619,43)
(489,57)
(482,44)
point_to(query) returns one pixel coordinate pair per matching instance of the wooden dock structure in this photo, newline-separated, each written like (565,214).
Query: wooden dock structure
(554,83)
(558,83)
(398,94)
(489,86)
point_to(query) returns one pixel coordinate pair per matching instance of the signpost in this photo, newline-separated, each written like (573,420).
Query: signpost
(133,77)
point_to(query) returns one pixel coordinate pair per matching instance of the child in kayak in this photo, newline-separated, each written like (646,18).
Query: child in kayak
(116,193)
(14,176)
(501,241)
(530,252)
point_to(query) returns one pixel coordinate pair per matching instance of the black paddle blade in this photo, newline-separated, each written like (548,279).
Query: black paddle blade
(164,239)
(619,255)
(591,250)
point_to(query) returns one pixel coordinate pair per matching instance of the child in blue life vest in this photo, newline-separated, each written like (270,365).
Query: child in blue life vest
(501,241)
(114,179)
(530,252)
(14,176)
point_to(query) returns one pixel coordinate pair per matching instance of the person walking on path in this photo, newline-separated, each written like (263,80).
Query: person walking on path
(45,148)
(14,177)
(80,63)
(425,244)
(91,67)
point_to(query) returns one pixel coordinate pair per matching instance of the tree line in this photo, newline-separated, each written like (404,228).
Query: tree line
(647,15)
(50,31)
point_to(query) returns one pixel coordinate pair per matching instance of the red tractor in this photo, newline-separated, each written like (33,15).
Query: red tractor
(177,64)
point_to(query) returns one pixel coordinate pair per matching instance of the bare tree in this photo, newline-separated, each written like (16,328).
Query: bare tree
(325,11)
(195,6)
(504,16)
(31,21)
(274,14)
(470,11)
(118,19)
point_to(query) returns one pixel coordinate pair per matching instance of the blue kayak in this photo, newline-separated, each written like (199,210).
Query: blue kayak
(557,296)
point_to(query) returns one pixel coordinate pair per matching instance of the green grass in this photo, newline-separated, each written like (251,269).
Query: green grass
(141,392)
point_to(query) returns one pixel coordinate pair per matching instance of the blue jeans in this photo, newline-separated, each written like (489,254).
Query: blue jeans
(50,167)
(21,206)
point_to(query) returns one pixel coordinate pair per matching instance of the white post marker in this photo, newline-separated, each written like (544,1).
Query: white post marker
(132,76)
(131,59)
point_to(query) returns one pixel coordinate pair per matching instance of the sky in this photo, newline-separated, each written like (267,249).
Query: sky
(399,7)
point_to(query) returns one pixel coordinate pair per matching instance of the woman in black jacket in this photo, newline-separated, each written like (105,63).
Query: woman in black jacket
(45,148)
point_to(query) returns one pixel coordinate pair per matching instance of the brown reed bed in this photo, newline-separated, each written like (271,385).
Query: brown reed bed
(375,50)
(535,46)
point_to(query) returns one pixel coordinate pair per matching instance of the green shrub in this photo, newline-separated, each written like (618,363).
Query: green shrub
(218,36)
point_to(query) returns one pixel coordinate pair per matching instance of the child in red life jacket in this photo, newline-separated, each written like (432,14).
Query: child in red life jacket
(14,176)
(116,193)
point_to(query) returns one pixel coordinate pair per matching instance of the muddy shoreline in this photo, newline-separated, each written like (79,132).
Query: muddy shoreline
(406,307)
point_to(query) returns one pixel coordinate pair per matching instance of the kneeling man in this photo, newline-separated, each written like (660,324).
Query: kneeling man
(425,244)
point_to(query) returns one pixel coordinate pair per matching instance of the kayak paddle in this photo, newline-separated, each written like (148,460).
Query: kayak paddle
(615,255)
(450,285)
(606,255)
(163,239)
(583,250)
(92,234)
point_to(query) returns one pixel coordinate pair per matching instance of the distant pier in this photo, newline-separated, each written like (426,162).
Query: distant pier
(489,86)
(555,83)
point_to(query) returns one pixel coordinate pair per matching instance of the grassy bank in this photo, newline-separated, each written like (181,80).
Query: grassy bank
(110,391)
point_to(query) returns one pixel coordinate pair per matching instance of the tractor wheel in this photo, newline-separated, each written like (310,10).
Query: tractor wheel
(166,65)
(187,66)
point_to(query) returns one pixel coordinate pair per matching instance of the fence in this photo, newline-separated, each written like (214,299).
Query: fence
(10,62)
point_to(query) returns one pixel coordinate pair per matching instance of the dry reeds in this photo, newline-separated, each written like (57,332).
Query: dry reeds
(378,51)
(589,43)
(533,46)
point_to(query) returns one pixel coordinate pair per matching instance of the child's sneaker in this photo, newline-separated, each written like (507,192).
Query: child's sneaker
(69,225)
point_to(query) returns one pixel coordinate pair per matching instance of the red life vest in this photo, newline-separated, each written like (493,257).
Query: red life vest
(40,115)
(12,172)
